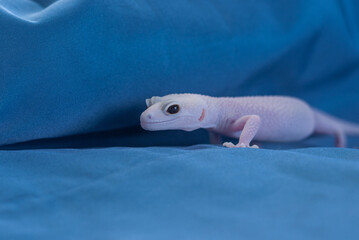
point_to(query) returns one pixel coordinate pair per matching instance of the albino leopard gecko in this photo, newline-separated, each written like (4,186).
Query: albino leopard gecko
(267,118)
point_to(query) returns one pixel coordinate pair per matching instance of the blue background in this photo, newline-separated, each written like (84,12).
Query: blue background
(74,75)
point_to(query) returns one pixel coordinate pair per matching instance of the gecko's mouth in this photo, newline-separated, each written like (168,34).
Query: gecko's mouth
(171,124)
(156,122)
(156,125)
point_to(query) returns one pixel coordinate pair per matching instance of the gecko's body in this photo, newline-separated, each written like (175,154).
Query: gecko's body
(267,118)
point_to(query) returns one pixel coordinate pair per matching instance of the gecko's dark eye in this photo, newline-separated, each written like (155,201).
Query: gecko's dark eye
(173,109)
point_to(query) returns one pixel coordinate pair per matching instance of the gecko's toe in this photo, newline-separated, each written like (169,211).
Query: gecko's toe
(243,145)
(239,145)
(229,145)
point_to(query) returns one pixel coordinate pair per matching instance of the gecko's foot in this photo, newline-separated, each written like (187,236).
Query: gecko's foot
(239,145)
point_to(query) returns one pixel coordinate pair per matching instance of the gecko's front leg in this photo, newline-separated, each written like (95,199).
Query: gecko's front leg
(249,126)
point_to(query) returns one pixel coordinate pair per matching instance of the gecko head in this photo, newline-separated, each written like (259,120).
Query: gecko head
(175,111)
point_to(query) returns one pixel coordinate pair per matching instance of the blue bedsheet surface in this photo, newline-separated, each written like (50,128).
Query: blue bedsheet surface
(199,192)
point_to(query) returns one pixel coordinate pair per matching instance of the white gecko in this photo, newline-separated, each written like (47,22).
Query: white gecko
(263,118)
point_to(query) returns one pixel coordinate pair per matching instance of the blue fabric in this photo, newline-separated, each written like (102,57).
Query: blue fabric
(76,66)
(201,192)
(73,78)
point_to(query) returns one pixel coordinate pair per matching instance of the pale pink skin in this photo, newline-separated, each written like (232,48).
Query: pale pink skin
(267,118)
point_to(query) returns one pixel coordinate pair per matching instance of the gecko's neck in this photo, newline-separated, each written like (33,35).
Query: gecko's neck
(212,113)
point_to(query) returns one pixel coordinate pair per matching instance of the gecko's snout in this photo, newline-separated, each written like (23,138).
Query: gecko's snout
(146,116)
(147,121)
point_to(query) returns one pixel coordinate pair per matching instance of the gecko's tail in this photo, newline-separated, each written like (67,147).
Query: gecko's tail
(326,124)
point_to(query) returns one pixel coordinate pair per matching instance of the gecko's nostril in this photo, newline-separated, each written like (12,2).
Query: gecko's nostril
(149,116)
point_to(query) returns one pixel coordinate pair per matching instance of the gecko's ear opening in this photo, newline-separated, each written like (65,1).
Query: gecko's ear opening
(152,100)
(203,114)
